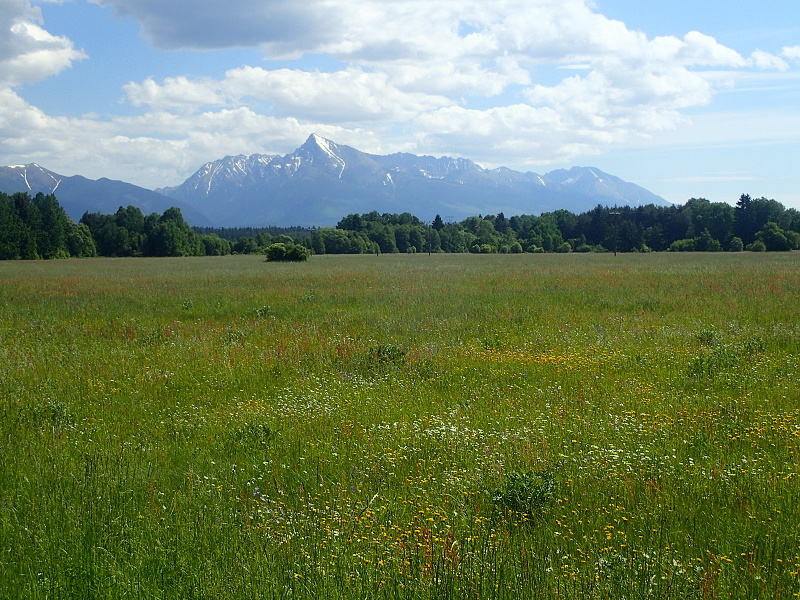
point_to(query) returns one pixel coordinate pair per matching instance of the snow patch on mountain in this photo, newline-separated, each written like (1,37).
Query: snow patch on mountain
(326,147)
(321,181)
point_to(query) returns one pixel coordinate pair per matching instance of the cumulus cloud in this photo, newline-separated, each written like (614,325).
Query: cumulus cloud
(517,81)
(410,58)
(283,26)
(153,149)
(175,92)
(27,51)
(349,95)
(791,52)
(765,60)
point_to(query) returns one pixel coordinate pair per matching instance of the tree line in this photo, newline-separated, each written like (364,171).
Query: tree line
(37,227)
(755,224)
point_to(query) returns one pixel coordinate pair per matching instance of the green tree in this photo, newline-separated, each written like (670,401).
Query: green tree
(684,245)
(80,241)
(383,236)
(28,214)
(110,238)
(318,243)
(717,217)
(245,245)
(51,237)
(706,243)
(215,246)
(736,245)
(351,222)
(776,239)
(338,241)
(15,239)
(131,219)
(170,235)
(276,252)
(751,215)
(545,234)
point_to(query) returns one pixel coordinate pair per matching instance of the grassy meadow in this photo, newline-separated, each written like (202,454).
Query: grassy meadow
(403,426)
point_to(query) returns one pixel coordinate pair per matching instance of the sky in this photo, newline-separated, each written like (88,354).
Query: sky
(685,98)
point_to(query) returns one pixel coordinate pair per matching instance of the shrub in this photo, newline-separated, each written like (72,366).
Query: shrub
(526,491)
(736,245)
(282,251)
(387,353)
(684,245)
(564,248)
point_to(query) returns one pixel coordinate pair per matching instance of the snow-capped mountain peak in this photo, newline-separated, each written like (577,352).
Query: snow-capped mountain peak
(323,181)
(318,149)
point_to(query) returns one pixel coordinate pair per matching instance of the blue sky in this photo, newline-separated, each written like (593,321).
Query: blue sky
(688,99)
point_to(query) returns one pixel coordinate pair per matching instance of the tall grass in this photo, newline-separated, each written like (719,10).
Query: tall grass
(549,426)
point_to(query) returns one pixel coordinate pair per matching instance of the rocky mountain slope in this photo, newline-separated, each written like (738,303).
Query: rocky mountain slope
(322,181)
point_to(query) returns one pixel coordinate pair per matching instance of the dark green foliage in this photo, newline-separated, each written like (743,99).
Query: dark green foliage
(15,236)
(775,239)
(718,357)
(215,245)
(287,252)
(698,226)
(246,245)
(526,491)
(260,234)
(387,354)
(129,232)
(80,241)
(32,228)
(339,241)
(170,235)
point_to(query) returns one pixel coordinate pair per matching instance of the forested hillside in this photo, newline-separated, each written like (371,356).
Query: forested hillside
(38,227)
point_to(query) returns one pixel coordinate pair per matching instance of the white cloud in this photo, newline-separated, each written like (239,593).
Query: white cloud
(511,81)
(791,52)
(155,149)
(175,92)
(699,49)
(283,26)
(27,52)
(412,58)
(343,96)
(765,60)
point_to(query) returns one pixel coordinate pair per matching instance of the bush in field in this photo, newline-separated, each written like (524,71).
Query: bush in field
(526,491)
(736,245)
(281,251)
(387,353)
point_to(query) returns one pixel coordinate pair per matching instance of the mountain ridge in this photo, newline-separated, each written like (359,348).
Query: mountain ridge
(78,194)
(322,181)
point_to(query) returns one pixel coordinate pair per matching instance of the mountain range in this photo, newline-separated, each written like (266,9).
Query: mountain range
(321,182)
(78,195)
